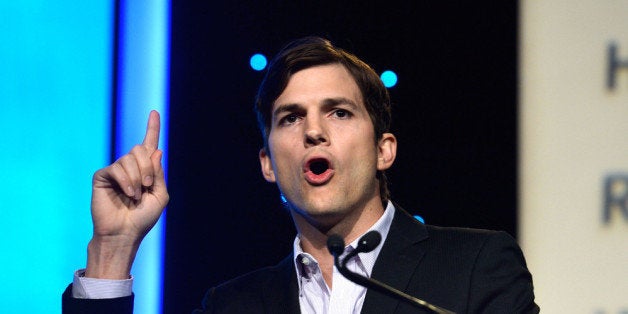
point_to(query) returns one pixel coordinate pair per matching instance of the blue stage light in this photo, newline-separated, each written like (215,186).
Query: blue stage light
(258,62)
(419,218)
(143,64)
(389,78)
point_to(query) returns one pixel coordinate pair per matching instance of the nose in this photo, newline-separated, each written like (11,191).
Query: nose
(315,133)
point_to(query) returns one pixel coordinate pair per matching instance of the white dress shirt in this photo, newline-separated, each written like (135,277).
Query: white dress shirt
(315,297)
(94,288)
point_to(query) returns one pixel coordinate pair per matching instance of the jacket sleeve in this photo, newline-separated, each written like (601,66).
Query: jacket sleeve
(72,305)
(501,282)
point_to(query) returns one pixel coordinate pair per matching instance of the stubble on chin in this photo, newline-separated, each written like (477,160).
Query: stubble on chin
(321,217)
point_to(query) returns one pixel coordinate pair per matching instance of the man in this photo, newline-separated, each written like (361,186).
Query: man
(324,116)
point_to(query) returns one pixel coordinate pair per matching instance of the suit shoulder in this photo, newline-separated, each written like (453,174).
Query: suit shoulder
(260,278)
(465,233)
(455,237)
(248,293)
(495,269)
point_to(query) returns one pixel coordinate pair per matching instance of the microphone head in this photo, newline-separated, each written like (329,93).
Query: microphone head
(368,242)
(335,245)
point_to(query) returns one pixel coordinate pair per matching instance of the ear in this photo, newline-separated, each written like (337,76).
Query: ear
(386,151)
(266,165)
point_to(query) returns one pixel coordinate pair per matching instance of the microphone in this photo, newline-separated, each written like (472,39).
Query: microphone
(367,243)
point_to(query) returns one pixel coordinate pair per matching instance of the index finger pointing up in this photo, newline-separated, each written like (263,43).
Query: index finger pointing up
(151,139)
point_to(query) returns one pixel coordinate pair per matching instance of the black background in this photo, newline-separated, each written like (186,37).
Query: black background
(454,115)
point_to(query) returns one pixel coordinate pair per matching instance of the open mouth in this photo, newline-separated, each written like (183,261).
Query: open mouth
(318,171)
(319,166)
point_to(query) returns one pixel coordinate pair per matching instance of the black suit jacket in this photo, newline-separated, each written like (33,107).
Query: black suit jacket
(462,270)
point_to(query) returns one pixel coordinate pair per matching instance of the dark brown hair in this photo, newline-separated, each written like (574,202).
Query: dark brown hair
(313,51)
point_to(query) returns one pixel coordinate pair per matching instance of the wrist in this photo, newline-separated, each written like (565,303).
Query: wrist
(110,259)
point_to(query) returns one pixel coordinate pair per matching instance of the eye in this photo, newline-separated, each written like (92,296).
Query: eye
(342,114)
(289,119)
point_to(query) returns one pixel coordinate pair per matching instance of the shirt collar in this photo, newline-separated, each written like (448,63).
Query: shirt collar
(382,225)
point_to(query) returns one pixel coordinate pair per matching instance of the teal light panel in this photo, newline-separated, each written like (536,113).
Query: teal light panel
(55,96)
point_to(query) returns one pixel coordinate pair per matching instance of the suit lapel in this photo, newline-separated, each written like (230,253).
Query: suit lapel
(281,295)
(397,260)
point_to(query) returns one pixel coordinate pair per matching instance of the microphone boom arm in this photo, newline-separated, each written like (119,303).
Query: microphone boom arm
(336,246)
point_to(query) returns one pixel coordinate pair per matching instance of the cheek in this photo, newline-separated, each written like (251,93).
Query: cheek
(284,142)
(362,160)
(284,164)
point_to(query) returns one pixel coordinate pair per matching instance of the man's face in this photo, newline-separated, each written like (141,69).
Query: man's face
(322,150)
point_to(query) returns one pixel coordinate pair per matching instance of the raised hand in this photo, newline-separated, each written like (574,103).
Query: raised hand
(128,197)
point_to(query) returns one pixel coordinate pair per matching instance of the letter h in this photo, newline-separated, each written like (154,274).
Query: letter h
(614,64)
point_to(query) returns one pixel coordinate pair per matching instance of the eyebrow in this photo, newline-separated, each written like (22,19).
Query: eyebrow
(330,102)
(327,103)
(286,108)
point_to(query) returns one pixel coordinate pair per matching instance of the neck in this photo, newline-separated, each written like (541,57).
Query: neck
(313,233)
